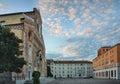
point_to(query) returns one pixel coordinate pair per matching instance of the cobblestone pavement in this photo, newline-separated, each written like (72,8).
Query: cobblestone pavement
(84,81)
(46,80)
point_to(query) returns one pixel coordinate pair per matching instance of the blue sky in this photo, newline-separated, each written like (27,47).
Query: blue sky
(73,29)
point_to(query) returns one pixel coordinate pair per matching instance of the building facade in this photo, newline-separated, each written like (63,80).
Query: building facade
(28,27)
(107,63)
(70,69)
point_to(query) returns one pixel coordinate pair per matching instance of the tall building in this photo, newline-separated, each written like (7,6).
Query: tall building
(107,63)
(28,27)
(69,68)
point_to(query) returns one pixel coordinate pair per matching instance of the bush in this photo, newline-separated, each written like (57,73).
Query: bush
(36,76)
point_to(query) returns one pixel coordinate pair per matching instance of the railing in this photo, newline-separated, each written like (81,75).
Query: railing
(15,26)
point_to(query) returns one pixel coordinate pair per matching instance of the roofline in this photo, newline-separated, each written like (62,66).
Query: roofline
(105,47)
(108,50)
(15,13)
(71,61)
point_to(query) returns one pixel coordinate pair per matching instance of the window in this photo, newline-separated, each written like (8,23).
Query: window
(106,61)
(106,73)
(96,74)
(111,59)
(37,25)
(99,74)
(112,73)
(102,62)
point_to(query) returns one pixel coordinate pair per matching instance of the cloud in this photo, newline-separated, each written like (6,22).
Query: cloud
(53,55)
(84,25)
(75,1)
(108,11)
(76,21)
(84,2)
(58,29)
(72,12)
(69,50)
(95,22)
(75,47)
(51,7)
(80,15)
(80,33)
(86,13)
(78,26)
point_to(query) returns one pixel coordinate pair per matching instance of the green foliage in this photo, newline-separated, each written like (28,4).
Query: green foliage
(9,51)
(49,74)
(36,76)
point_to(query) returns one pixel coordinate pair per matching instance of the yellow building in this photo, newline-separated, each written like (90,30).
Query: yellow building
(28,27)
(107,63)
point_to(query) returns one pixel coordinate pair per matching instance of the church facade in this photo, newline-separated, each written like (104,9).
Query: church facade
(28,27)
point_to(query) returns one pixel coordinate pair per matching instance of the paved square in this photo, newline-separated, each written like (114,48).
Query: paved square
(84,81)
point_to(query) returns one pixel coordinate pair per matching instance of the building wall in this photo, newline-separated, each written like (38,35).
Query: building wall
(118,54)
(18,33)
(12,19)
(103,50)
(71,69)
(109,73)
(107,63)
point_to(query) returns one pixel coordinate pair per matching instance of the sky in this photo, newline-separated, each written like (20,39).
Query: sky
(73,29)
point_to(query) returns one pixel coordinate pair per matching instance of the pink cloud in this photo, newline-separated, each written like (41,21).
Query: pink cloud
(108,11)
(75,1)
(58,29)
(84,2)
(78,27)
(76,21)
(80,33)
(66,34)
(72,12)
(64,2)
(48,19)
(95,22)
(86,13)
(68,49)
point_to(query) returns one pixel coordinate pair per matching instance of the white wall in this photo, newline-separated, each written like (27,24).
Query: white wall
(71,70)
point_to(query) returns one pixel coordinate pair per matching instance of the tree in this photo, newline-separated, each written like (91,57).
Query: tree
(49,74)
(36,76)
(9,51)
